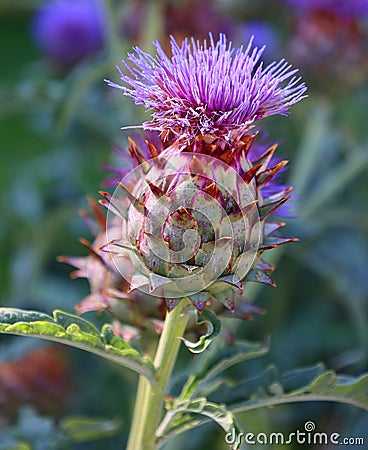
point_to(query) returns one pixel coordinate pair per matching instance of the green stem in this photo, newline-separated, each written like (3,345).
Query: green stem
(153,26)
(150,398)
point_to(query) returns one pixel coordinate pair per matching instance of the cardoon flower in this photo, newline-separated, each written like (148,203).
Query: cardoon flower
(194,218)
(67,31)
(209,89)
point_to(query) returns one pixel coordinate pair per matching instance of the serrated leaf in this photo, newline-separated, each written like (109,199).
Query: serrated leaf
(307,384)
(269,389)
(65,319)
(82,429)
(230,391)
(213,329)
(177,417)
(74,331)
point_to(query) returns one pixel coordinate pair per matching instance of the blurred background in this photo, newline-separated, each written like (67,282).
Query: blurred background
(58,124)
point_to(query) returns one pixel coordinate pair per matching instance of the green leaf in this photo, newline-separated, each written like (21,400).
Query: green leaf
(213,326)
(219,360)
(74,331)
(79,80)
(176,419)
(269,389)
(306,384)
(16,446)
(82,429)
(66,319)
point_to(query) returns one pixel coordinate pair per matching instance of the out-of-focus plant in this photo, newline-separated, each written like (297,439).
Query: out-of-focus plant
(69,31)
(330,37)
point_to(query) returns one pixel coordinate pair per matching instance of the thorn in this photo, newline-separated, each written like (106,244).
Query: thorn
(156,191)
(250,174)
(152,149)
(196,167)
(137,155)
(99,215)
(270,173)
(211,190)
(248,141)
(267,210)
(271,227)
(134,201)
(92,251)
(228,155)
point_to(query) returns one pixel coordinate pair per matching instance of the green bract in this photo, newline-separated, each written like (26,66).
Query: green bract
(194,225)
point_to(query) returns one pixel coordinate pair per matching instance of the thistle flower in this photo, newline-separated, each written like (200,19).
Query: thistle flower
(209,88)
(195,217)
(67,31)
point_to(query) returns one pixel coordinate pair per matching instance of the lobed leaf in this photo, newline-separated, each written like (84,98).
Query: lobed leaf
(264,390)
(181,409)
(74,331)
(323,385)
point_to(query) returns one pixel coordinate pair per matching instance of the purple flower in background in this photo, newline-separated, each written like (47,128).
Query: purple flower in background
(209,88)
(343,8)
(264,34)
(67,31)
(329,38)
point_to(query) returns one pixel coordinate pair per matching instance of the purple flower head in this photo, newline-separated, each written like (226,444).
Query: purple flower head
(67,31)
(208,88)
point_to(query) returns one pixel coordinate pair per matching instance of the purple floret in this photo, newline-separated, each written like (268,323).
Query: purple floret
(67,31)
(208,88)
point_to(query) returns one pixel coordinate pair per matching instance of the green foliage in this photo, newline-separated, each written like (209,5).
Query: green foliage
(179,413)
(74,331)
(216,362)
(206,379)
(218,398)
(82,429)
(33,432)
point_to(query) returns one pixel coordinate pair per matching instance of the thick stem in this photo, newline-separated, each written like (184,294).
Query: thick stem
(150,398)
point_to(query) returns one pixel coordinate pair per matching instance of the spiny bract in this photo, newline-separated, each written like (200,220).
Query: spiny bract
(194,223)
